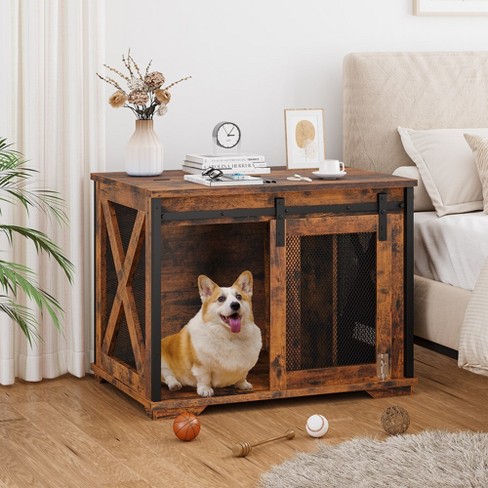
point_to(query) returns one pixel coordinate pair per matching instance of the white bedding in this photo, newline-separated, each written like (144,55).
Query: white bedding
(473,340)
(454,249)
(451,249)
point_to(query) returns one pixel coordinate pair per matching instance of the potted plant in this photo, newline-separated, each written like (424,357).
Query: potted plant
(17,278)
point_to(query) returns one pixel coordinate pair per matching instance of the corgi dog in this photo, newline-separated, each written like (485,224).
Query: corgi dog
(219,345)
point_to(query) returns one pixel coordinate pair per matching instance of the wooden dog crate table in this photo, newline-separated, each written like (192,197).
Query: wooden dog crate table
(333,281)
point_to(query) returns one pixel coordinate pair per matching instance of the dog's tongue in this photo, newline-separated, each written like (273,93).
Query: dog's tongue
(235,323)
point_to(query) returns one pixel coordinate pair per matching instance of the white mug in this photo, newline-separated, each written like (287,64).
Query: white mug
(329,166)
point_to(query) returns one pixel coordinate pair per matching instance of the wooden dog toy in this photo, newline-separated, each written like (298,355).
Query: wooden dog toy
(243,448)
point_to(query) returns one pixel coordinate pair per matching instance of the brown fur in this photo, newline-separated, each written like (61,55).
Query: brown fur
(219,345)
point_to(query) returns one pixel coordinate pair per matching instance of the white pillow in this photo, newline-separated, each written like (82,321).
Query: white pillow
(421,200)
(479,146)
(446,165)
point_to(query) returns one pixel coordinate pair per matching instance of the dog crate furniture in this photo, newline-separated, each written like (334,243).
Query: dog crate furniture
(333,281)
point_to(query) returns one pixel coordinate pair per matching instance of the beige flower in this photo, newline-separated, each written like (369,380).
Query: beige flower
(118,99)
(163,96)
(162,109)
(145,94)
(154,80)
(138,97)
(135,84)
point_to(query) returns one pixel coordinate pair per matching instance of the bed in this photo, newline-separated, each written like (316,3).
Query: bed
(425,116)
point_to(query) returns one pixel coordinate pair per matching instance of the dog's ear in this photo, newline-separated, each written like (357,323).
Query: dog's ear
(245,282)
(205,286)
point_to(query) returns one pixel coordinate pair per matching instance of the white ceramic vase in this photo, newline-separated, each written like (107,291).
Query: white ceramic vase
(144,152)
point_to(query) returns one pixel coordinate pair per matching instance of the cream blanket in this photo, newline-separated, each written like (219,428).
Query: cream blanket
(473,340)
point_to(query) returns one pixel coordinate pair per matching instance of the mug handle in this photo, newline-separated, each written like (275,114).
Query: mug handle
(342,166)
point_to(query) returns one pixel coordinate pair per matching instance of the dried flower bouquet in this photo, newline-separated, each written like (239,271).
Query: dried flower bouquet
(146,95)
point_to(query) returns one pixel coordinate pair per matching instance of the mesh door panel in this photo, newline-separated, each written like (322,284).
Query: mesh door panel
(331,300)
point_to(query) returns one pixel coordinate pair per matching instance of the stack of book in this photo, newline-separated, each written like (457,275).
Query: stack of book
(224,180)
(248,164)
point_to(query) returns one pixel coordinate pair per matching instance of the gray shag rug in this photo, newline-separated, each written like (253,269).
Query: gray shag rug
(432,459)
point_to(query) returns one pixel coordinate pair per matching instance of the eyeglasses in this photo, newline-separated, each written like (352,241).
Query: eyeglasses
(213,173)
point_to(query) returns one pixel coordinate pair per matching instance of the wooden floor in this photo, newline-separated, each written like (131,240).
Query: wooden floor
(73,432)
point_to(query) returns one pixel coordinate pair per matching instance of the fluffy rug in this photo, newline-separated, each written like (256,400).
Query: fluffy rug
(432,459)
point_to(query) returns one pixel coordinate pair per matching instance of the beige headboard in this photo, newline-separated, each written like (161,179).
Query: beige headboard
(417,90)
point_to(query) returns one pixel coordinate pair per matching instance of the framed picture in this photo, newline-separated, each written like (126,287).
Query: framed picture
(450,7)
(305,139)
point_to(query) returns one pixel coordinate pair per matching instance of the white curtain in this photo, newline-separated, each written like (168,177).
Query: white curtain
(52,109)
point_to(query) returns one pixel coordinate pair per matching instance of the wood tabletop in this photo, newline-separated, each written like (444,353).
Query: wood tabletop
(171,182)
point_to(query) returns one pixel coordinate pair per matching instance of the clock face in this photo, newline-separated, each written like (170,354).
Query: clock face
(227,135)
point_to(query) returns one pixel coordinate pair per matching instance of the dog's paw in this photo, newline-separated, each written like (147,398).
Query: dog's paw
(243,385)
(205,391)
(174,384)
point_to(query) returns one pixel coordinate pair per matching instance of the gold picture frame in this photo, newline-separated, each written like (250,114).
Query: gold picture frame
(450,7)
(304,137)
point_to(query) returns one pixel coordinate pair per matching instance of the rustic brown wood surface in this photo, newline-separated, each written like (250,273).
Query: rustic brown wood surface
(222,247)
(171,183)
(76,433)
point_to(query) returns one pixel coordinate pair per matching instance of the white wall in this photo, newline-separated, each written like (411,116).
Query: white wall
(251,59)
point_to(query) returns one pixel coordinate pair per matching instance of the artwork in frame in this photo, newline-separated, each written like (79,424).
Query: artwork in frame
(305,139)
(450,7)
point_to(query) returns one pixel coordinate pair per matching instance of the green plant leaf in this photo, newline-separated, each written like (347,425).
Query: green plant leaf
(15,190)
(22,316)
(14,276)
(14,186)
(42,243)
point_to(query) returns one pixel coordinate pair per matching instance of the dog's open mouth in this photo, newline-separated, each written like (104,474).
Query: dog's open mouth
(233,321)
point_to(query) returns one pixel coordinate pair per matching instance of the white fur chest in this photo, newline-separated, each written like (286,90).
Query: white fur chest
(228,356)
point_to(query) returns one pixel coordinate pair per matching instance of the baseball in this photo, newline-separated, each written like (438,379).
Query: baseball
(317,426)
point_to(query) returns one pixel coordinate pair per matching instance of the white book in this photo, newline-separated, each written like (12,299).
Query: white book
(197,170)
(225,158)
(226,165)
(224,180)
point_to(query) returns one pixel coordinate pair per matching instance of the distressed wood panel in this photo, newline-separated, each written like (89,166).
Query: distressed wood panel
(224,245)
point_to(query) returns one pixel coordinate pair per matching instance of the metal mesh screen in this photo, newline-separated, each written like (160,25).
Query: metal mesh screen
(122,347)
(331,300)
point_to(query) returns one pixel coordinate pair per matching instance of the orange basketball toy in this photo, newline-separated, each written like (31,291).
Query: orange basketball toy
(186,426)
